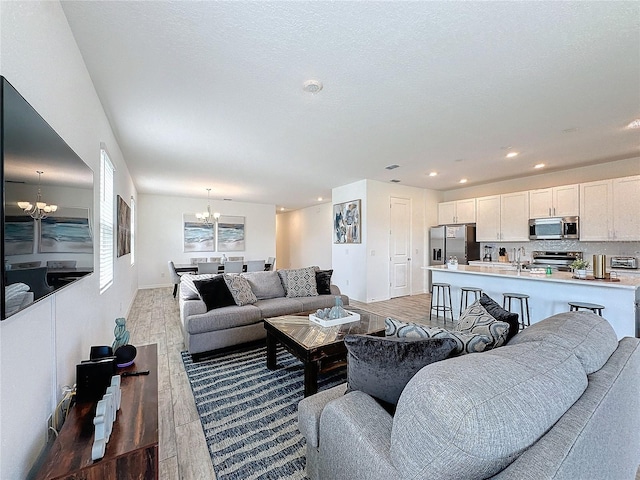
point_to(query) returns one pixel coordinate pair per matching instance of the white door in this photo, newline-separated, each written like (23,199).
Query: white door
(400,247)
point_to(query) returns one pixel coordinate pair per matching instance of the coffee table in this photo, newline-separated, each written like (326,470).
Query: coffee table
(320,349)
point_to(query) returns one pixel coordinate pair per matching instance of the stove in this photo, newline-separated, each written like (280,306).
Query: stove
(557,260)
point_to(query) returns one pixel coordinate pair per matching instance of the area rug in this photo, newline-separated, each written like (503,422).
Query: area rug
(249,413)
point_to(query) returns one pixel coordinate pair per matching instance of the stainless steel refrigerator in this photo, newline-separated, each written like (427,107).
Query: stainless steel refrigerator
(453,240)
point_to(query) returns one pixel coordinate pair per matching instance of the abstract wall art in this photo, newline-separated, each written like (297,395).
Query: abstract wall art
(124,227)
(347,224)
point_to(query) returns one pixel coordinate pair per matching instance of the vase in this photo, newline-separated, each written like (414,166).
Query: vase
(582,274)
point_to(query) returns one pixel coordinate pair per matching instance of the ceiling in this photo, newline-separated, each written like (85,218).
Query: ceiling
(210,94)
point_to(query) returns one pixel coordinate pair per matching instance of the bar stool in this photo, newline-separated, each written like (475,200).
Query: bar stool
(464,296)
(594,307)
(524,302)
(445,290)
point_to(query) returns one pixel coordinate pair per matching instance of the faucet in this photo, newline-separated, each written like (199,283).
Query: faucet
(518,254)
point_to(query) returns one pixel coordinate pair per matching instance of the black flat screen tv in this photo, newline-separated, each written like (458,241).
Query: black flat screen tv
(42,252)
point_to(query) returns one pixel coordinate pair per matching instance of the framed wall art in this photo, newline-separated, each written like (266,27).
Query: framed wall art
(69,231)
(231,234)
(347,224)
(124,227)
(197,236)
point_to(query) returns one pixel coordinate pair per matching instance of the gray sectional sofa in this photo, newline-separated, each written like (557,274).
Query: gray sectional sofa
(226,326)
(558,401)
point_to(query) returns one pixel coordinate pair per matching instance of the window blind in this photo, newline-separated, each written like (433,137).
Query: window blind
(106,221)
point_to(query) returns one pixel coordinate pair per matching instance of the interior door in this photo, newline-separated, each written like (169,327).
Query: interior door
(400,247)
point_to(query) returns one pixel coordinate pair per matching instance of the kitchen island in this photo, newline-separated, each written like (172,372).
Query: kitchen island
(550,294)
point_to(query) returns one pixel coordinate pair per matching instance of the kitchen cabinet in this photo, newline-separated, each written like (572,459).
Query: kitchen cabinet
(459,211)
(560,201)
(503,218)
(609,210)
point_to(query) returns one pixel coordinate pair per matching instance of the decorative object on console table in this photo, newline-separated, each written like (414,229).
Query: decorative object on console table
(347,225)
(132,451)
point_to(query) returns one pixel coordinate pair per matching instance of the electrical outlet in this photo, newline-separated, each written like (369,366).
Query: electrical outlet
(346,283)
(162,274)
(49,435)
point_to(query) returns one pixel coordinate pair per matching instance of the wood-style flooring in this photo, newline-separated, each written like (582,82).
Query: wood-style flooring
(155,318)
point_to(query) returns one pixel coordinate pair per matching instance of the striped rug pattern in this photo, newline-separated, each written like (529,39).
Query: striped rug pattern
(249,413)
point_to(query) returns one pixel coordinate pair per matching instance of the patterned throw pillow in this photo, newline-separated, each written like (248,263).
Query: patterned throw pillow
(300,282)
(14,295)
(240,289)
(476,319)
(465,342)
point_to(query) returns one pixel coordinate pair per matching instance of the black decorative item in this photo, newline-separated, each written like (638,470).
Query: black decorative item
(100,351)
(125,355)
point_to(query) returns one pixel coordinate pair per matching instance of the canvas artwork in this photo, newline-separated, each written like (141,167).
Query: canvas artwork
(347,227)
(19,236)
(198,237)
(69,231)
(124,227)
(231,234)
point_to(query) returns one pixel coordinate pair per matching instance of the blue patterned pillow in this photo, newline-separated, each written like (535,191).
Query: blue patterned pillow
(240,289)
(476,319)
(465,342)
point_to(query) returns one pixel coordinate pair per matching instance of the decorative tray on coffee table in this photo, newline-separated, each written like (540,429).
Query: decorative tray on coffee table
(332,322)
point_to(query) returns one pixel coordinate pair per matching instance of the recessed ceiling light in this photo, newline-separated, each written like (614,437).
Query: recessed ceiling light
(319,199)
(512,154)
(433,174)
(391,167)
(634,124)
(312,86)
(463,180)
(539,165)
(282,209)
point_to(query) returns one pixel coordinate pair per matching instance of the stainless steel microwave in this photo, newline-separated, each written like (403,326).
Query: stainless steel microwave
(554,228)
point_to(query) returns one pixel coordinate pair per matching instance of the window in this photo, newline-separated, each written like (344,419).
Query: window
(133,231)
(106,221)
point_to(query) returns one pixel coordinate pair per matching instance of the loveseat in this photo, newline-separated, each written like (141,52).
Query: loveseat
(215,316)
(558,401)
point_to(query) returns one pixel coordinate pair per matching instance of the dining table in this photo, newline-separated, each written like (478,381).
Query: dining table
(188,268)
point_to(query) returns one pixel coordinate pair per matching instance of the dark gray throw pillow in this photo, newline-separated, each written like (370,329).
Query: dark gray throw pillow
(323,281)
(499,313)
(382,366)
(214,292)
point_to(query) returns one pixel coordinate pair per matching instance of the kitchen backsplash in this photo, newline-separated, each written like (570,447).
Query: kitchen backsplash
(588,249)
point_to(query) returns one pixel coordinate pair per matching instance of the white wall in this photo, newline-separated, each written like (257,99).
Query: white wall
(358,273)
(160,238)
(303,237)
(620,168)
(40,346)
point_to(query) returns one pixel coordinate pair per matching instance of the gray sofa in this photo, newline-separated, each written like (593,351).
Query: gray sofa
(559,401)
(218,328)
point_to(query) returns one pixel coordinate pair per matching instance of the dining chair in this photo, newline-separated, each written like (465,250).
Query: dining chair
(215,259)
(271,261)
(233,266)
(209,267)
(235,259)
(197,260)
(175,277)
(255,265)
(57,264)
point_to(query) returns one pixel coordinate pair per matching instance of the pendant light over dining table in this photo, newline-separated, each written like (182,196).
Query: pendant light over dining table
(207,217)
(39,209)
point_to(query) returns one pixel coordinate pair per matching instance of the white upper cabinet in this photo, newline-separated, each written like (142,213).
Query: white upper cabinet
(609,210)
(459,211)
(560,201)
(503,218)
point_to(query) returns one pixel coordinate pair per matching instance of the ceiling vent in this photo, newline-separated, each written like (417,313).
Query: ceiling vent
(395,180)
(391,167)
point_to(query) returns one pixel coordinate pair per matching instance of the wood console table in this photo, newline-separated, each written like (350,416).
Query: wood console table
(132,451)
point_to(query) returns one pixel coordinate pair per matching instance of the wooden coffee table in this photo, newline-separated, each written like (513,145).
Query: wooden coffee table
(320,349)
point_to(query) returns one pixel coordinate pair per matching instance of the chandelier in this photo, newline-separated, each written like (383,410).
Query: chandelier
(40,209)
(206,217)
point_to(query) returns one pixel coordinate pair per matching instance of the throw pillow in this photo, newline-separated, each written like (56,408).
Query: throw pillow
(214,292)
(323,281)
(240,289)
(476,319)
(499,313)
(301,282)
(381,367)
(465,342)
(14,295)
(265,284)
(188,289)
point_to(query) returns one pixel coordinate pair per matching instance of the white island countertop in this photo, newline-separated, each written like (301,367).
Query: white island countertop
(549,294)
(631,282)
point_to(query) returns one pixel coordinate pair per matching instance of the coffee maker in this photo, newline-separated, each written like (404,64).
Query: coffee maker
(487,253)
